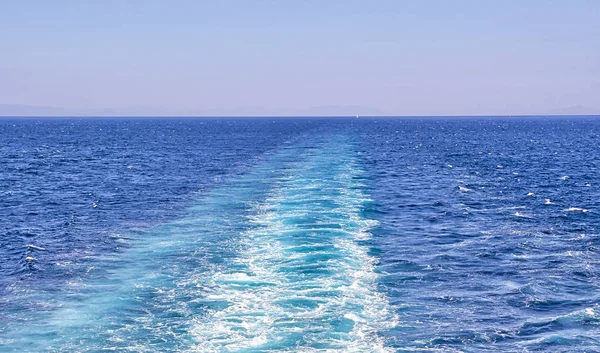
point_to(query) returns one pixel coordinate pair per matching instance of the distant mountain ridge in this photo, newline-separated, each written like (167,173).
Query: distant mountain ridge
(325,110)
(575,110)
(35,110)
(23,110)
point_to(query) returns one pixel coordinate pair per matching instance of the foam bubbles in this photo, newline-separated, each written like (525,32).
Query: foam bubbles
(576,209)
(302,280)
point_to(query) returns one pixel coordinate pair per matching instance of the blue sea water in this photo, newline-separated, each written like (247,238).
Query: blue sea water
(300,235)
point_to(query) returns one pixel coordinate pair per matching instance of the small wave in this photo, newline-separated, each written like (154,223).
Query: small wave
(578,317)
(547,202)
(575,209)
(522,215)
(463,189)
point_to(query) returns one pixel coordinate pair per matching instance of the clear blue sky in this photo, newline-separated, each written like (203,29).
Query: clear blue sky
(401,57)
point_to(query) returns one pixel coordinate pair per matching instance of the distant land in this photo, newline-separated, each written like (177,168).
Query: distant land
(22,110)
(19,110)
(576,110)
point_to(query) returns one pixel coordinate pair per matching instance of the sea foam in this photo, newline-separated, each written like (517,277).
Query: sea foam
(302,280)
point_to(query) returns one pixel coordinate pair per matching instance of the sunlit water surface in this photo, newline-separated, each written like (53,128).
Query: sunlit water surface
(300,235)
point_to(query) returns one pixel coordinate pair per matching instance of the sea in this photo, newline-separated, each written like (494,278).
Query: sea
(407,234)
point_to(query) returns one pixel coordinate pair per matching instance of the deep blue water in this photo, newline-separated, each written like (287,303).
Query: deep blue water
(300,235)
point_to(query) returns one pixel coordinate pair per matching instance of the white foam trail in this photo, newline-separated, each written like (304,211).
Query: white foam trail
(302,281)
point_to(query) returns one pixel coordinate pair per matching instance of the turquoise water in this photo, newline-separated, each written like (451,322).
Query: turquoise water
(271,260)
(388,235)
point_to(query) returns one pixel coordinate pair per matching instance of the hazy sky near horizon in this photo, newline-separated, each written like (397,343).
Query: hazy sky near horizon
(421,57)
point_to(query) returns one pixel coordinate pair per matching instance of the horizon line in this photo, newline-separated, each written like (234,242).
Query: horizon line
(283,116)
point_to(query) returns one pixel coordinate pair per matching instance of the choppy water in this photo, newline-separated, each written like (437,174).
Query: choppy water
(308,235)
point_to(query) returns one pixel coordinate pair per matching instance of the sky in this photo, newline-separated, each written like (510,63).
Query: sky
(396,57)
